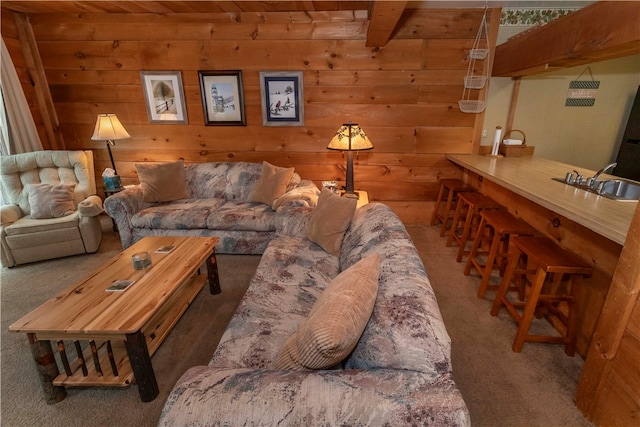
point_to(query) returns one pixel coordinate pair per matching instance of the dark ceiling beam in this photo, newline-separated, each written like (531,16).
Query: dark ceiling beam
(601,31)
(383,18)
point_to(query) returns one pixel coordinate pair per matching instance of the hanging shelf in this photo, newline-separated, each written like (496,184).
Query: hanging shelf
(474,82)
(478,52)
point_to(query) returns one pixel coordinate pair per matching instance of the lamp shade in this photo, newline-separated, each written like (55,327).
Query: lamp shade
(350,137)
(109,128)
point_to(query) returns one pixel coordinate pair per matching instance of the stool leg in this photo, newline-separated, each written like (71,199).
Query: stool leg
(445,214)
(434,216)
(575,281)
(506,280)
(465,233)
(474,247)
(502,259)
(454,224)
(556,280)
(486,275)
(529,310)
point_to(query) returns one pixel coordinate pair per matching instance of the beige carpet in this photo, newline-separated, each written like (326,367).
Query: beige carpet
(191,343)
(501,388)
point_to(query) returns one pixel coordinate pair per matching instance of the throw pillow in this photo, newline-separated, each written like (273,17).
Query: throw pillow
(330,220)
(50,200)
(162,182)
(272,184)
(336,320)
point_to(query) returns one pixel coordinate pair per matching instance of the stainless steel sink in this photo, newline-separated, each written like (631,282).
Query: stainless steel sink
(619,189)
(616,189)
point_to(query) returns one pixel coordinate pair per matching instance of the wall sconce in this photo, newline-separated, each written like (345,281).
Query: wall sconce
(350,137)
(108,128)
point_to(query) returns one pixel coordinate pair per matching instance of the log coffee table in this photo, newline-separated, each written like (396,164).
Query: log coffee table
(122,330)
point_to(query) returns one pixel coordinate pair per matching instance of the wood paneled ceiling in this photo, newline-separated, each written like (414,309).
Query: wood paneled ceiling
(383,15)
(598,32)
(211,6)
(48,6)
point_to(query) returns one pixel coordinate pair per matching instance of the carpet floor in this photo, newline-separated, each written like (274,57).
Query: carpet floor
(534,388)
(501,388)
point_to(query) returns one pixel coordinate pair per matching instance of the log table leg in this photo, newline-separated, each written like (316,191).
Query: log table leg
(47,369)
(141,364)
(212,272)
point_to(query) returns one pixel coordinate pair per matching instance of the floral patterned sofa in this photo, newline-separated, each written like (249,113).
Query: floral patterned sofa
(219,204)
(398,374)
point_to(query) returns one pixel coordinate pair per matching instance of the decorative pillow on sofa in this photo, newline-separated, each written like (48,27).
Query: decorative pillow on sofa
(51,200)
(336,320)
(272,183)
(162,182)
(330,220)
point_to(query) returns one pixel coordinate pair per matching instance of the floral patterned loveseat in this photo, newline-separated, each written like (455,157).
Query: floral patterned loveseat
(219,205)
(398,374)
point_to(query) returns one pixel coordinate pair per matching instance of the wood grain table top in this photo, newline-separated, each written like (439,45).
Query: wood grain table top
(530,177)
(87,308)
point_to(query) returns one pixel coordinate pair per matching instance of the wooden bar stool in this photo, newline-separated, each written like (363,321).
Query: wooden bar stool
(548,258)
(450,187)
(470,204)
(498,225)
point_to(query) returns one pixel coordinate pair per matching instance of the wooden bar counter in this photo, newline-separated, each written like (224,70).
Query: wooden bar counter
(530,177)
(591,226)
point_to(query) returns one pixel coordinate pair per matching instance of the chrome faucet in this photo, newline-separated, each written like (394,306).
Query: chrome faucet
(579,178)
(593,181)
(569,178)
(604,169)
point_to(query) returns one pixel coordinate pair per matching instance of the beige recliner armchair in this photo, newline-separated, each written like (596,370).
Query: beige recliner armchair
(74,231)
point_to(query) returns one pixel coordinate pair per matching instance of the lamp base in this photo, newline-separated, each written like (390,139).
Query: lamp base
(112,183)
(351,195)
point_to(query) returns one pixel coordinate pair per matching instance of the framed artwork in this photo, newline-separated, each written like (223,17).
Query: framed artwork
(164,96)
(282,98)
(222,98)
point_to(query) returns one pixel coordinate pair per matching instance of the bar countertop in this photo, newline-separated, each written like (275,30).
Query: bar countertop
(530,177)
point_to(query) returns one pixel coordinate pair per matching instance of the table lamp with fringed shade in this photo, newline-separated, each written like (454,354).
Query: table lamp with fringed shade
(108,128)
(350,137)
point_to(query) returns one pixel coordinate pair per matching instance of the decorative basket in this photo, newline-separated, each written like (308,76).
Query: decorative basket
(474,82)
(471,106)
(513,150)
(478,53)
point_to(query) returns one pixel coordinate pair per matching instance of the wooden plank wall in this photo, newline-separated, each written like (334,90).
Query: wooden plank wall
(403,94)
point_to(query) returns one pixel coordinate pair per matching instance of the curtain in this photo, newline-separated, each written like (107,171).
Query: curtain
(19,133)
(5,139)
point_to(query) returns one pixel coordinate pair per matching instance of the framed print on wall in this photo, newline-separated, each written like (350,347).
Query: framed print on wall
(282,98)
(222,98)
(164,96)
